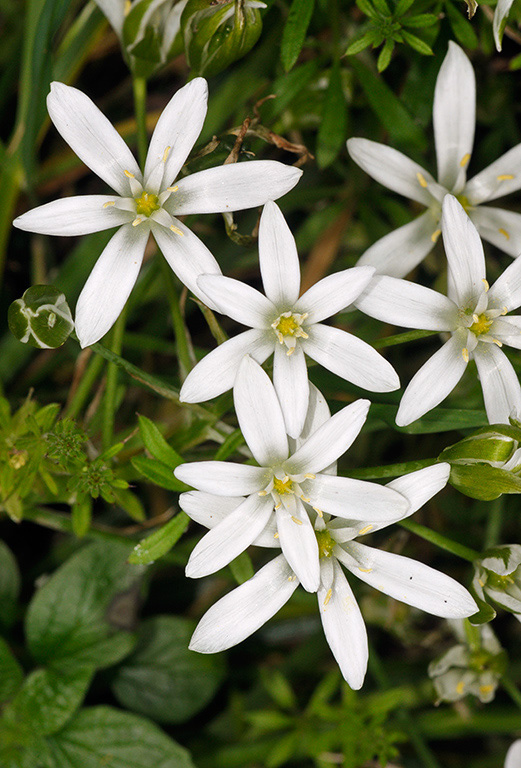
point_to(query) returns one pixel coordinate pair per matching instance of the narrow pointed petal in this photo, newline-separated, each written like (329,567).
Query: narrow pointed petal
(355,499)
(78,215)
(239,301)
(344,628)
(513,758)
(420,486)
(502,177)
(351,358)
(499,227)
(177,129)
(230,537)
(392,169)
(290,379)
(222,477)
(329,440)
(232,187)
(299,545)
(104,294)
(411,582)
(94,139)
(464,252)
(501,388)
(400,251)
(278,257)
(334,293)
(216,372)
(318,413)
(407,304)
(114,10)
(187,256)
(259,414)
(506,291)
(240,613)
(509,330)
(454,117)
(433,382)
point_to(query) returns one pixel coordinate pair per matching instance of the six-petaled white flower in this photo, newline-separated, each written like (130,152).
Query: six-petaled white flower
(145,202)
(473,313)
(288,326)
(454,122)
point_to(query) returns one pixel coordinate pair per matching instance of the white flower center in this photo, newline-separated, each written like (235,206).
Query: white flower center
(479,323)
(288,328)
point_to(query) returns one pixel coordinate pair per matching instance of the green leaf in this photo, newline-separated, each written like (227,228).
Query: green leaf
(130,503)
(9,585)
(287,87)
(230,445)
(160,542)
(81,512)
(361,43)
(366,7)
(462,28)
(77,613)
(402,7)
(295,30)
(332,132)
(420,20)
(162,678)
(384,58)
(242,568)
(103,736)
(417,43)
(382,6)
(158,473)
(11,673)
(156,443)
(437,420)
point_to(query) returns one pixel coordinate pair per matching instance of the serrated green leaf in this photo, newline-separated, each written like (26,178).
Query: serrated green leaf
(294,33)
(158,473)
(156,443)
(417,43)
(103,736)
(9,585)
(160,542)
(162,678)
(385,55)
(332,132)
(361,43)
(11,673)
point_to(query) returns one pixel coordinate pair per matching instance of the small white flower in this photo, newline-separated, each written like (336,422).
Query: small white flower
(513,758)
(473,313)
(283,482)
(498,577)
(454,122)
(145,202)
(288,326)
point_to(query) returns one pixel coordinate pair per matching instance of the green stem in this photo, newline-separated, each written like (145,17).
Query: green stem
(495,518)
(512,690)
(184,352)
(440,541)
(402,338)
(391,470)
(139,86)
(109,400)
(85,385)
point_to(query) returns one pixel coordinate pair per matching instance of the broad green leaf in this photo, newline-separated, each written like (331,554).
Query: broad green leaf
(11,673)
(9,585)
(156,443)
(105,737)
(158,473)
(77,613)
(160,542)
(162,678)
(295,30)
(21,746)
(332,132)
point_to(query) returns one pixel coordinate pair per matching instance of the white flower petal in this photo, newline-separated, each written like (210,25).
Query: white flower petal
(239,301)
(79,215)
(216,372)
(420,486)
(506,291)
(109,284)
(230,537)
(411,582)
(278,258)
(177,129)
(329,440)
(290,379)
(391,168)
(454,117)
(433,382)
(334,293)
(232,187)
(355,499)
(499,227)
(318,413)
(404,248)
(351,358)
(513,758)
(407,304)
(187,256)
(259,414)
(299,545)
(114,10)
(464,252)
(501,388)
(344,628)
(222,477)
(94,139)
(508,330)
(500,178)
(240,613)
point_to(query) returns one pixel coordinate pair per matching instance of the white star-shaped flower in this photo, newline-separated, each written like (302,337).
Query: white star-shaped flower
(454,122)
(283,483)
(288,326)
(146,202)
(473,313)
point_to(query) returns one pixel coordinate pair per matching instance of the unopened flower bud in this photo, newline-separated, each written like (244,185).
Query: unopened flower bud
(498,577)
(41,317)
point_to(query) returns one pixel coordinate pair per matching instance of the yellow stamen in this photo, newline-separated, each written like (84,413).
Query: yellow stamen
(504,233)
(110,202)
(464,160)
(304,498)
(263,493)
(499,343)
(146,204)
(435,235)
(421,179)
(136,221)
(365,570)
(129,175)
(165,154)
(365,530)
(465,354)
(296,520)
(481,324)
(283,486)
(505,177)
(290,351)
(276,535)
(318,511)
(278,506)
(484,689)
(309,476)
(481,583)
(328,597)
(172,189)
(485,283)
(177,230)
(460,687)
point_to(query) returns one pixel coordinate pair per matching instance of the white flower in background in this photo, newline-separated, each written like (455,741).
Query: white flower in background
(513,758)
(473,313)
(163,15)
(283,482)
(498,577)
(288,326)
(146,202)
(498,25)
(454,121)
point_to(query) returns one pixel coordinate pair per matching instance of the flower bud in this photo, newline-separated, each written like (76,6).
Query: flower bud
(151,34)
(498,576)
(41,317)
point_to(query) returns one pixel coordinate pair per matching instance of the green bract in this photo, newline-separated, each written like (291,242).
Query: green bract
(41,318)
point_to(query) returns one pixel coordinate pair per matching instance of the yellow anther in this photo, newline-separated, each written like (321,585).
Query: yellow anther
(165,154)
(276,535)
(497,342)
(504,233)
(465,354)
(484,689)
(318,511)
(504,311)
(304,498)
(177,230)
(435,235)
(485,283)
(290,351)
(110,202)
(481,583)
(365,530)
(460,687)
(278,506)
(365,570)
(172,189)
(328,597)
(464,160)
(129,175)
(309,476)
(136,221)
(505,177)
(296,520)
(263,493)
(283,486)
(421,179)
